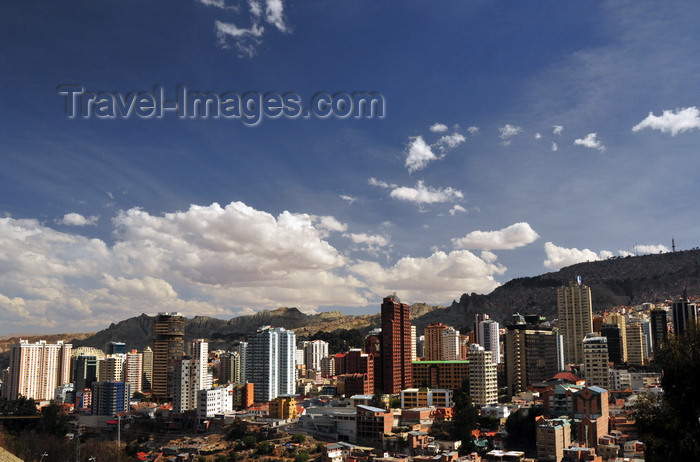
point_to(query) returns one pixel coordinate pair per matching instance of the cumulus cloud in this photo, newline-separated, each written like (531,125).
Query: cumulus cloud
(538,136)
(372,239)
(555,148)
(246,40)
(76,219)
(419,153)
(512,237)
(674,122)
(557,129)
(651,248)
(559,257)
(422,194)
(473,130)
(507,132)
(433,278)
(457,209)
(590,141)
(438,128)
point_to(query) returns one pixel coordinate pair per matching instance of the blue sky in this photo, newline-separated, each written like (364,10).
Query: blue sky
(516,139)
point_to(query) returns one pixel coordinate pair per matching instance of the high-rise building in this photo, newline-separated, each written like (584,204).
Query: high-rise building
(636,345)
(483,380)
(243,375)
(84,371)
(616,347)
(619,320)
(199,350)
(271,354)
(432,346)
(414,344)
(450,344)
(314,351)
(478,319)
(111,369)
(133,371)
(575,312)
(36,369)
(147,369)
(684,314)
(488,335)
(168,349)
(532,354)
(595,361)
(553,437)
(659,328)
(359,373)
(373,346)
(187,384)
(396,345)
(115,348)
(108,398)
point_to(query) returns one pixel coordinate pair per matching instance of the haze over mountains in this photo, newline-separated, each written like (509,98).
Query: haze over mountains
(618,281)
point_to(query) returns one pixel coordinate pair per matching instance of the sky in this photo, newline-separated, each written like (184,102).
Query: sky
(496,140)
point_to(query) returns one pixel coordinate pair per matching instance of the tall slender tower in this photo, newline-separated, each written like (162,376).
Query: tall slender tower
(487,333)
(168,349)
(433,341)
(575,312)
(396,345)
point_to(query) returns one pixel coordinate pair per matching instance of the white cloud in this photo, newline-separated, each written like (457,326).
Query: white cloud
(76,219)
(380,184)
(448,142)
(209,260)
(555,148)
(512,237)
(419,154)
(675,122)
(559,257)
(422,194)
(349,199)
(538,136)
(509,131)
(436,278)
(651,248)
(457,208)
(372,240)
(246,40)
(473,130)
(557,129)
(438,128)
(590,141)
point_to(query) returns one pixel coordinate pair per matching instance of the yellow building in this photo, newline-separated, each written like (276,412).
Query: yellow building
(283,407)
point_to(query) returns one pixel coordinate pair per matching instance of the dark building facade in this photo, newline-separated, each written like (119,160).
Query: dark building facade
(168,349)
(659,328)
(397,372)
(684,314)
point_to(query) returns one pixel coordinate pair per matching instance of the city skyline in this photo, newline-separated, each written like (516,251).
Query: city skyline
(509,142)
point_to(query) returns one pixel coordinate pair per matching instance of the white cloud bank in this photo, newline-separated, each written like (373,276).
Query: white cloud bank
(560,257)
(422,194)
(674,122)
(210,260)
(512,237)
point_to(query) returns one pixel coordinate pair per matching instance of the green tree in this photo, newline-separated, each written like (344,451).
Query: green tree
(465,418)
(303,456)
(669,425)
(53,420)
(265,448)
(298,438)
(249,441)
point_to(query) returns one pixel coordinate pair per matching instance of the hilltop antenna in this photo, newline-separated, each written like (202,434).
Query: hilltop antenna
(673,245)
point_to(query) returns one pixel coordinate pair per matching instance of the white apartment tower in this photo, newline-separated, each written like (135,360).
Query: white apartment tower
(483,379)
(133,371)
(314,351)
(487,335)
(450,344)
(36,369)
(199,350)
(271,354)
